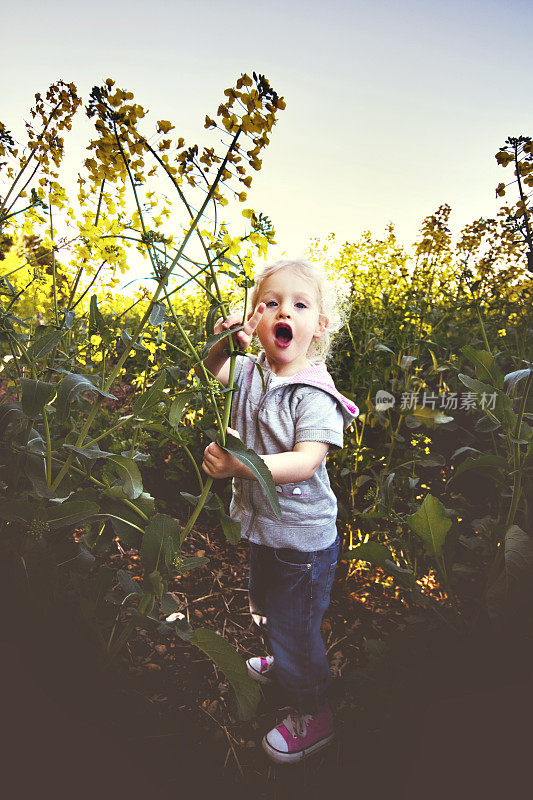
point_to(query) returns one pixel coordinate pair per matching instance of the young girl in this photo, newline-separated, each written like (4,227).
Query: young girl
(291,424)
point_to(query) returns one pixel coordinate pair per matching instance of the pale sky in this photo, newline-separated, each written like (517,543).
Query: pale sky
(393,107)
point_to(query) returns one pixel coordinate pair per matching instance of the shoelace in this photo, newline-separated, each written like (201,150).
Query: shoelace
(297,724)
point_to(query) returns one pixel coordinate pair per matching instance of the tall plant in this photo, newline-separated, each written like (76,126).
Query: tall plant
(54,473)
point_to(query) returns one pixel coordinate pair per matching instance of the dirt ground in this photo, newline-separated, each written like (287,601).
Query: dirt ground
(419,710)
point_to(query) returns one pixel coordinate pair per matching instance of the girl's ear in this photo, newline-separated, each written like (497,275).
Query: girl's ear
(323,323)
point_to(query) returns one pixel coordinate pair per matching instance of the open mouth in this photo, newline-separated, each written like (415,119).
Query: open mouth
(283,334)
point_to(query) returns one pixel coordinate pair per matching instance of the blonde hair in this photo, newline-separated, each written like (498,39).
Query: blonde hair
(330,301)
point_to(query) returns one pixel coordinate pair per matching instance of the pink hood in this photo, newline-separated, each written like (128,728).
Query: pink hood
(318,375)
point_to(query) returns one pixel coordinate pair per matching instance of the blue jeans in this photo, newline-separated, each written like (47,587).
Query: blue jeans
(291,588)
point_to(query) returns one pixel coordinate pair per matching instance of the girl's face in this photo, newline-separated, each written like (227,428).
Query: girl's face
(290,321)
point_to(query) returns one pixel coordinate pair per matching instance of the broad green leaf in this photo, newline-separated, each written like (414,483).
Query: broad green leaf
(157,314)
(68,319)
(503,406)
(512,379)
(70,513)
(128,341)
(183,564)
(383,348)
(405,576)
(44,345)
(230,527)
(256,464)
(463,450)
(169,604)
(145,502)
(512,590)
(406,362)
(129,474)
(22,510)
(177,623)
(210,501)
(233,666)
(69,387)
(431,525)
(210,319)
(486,367)
(374,552)
(176,408)
(485,461)
(161,536)
(12,420)
(430,416)
(151,396)
(216,338)
(97,323)
(91,452)
(35,395)
(388,491)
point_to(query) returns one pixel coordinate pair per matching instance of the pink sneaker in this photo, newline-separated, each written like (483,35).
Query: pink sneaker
(259,667)
(298,736)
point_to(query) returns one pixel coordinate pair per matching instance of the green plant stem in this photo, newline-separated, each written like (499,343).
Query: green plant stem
(106,433)
(48,448)
(193,462)
(517,481)
(54,277)
(140,325)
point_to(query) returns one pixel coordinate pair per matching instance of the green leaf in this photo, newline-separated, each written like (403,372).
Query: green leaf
(486,367)
(91,452)
(128,472)
(183,564)
(210,319)
(230,527)
(97,323)
(176,408)
(406,362)
(431,525)
(374,552)
(512,379)
(210,501)
(256,464)
(169,604)
(430,416)
(157,314)
(161,539)
(70,513)
(70,387)
(233,666)
(216,338)
(511,593)
(485,461)
(151,396)
(22,510)
(503,406)
(35,395)
(44,345)
(128,341)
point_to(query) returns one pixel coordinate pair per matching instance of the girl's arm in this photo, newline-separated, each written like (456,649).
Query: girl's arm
(293,466)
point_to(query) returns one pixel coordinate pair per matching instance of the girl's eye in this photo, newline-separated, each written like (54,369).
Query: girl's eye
(270,302)
(301,305)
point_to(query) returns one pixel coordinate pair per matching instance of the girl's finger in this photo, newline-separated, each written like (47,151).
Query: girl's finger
(255,319)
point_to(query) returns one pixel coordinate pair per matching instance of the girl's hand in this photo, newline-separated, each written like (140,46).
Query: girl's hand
(241,339)
(218,463)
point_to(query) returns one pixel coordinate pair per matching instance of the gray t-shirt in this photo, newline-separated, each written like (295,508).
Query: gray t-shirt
(302,407)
